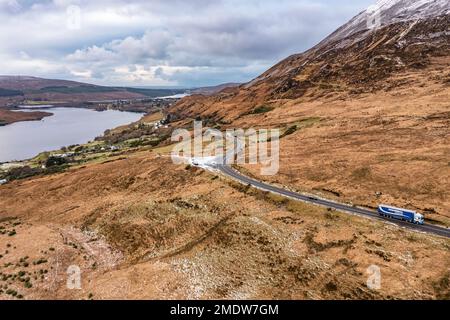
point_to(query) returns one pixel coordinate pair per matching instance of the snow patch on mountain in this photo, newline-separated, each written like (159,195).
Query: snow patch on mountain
(386,12)
(381,14)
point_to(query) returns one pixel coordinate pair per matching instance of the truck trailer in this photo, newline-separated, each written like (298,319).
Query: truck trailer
(400,214)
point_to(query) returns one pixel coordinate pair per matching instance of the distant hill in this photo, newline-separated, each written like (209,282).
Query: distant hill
(154,93)
(18,89)
(207,91)
(33,83)
(10,93)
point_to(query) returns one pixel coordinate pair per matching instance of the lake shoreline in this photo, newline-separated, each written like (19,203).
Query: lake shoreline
(23,140)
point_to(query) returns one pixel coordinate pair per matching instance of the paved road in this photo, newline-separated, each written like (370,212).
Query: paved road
(329,204)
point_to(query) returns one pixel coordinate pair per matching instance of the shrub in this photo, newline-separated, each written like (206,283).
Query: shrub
(40,261)
(262,109)
(289,131)
(442,287)
(11,292)
(56,169)
(361,173)
(22,173)
(135,143)
(55,161)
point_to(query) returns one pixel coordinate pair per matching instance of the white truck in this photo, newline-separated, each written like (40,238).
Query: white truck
(401,214)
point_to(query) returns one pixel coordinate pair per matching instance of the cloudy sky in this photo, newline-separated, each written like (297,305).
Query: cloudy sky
(161,42)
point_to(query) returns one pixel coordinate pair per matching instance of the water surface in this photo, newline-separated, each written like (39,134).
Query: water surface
(67,126)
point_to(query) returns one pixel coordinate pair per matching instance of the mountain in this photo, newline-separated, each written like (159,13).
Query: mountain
(34,83)
(358,57)
(363,52)
(387,12)
(364,114)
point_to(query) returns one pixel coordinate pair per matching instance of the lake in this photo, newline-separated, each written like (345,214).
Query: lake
(67,126)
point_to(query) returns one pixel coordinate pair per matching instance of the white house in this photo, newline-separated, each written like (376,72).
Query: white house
(3,181)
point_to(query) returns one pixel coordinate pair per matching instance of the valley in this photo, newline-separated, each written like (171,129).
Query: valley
(364,120)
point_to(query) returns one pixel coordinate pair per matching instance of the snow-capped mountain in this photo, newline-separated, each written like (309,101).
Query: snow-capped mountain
(387,12)
(370,53)
(390,36)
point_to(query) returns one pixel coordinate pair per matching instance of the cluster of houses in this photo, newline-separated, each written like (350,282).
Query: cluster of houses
(114,104)
(148,103)
(110,148)
(164,123)
(159,125)
(65,155)
(74,154)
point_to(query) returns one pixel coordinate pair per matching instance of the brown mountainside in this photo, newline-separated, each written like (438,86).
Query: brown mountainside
(348,65)
(371,112)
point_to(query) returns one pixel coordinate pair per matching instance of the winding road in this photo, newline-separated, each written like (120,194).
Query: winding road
(228,171)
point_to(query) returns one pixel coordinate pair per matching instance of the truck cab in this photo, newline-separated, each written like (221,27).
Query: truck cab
(419,219)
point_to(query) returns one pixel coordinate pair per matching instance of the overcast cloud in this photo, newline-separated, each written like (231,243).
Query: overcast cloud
(161,42)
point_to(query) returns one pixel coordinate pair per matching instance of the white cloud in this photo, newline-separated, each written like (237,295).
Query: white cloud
(177,42)
(10,5)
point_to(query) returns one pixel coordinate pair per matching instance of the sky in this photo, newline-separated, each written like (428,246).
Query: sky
(164,43)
